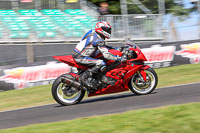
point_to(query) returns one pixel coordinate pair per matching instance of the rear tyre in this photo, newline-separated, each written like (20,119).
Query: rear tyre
(66,95)
(139,87)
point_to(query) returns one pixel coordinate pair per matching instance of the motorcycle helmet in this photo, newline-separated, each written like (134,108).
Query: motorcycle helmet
(103,29)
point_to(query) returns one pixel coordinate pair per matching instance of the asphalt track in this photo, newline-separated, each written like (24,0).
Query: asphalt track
(101,105)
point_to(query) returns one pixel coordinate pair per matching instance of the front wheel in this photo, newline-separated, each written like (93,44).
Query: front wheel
(66,95)
(140,87)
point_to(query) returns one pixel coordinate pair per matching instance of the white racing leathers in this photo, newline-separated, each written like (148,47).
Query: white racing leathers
(88,48)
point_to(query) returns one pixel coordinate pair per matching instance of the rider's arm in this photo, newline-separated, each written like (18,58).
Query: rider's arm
(104,50)
(116,48)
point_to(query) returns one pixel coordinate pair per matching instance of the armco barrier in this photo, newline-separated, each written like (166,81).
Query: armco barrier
(158,55)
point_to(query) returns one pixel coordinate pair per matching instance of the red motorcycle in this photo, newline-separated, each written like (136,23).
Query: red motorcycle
(131,74)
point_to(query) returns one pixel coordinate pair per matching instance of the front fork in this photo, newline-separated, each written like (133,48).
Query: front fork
(142,74)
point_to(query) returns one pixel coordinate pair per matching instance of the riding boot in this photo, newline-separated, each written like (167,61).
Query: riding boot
(87,78)
(94,69)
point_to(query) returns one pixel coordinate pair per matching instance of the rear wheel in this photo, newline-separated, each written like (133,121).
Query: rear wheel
(140,87)
(66,95)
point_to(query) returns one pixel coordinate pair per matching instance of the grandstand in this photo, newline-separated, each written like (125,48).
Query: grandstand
(54,20)
(47,23)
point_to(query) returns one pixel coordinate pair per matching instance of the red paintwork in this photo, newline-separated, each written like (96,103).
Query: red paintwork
(74,75)
(115,52)
(68,59)
(140,55)
(109,90)
(143,73)
(122,73)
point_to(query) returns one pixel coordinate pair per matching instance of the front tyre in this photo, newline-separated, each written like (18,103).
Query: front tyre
(139,87)
(66,95)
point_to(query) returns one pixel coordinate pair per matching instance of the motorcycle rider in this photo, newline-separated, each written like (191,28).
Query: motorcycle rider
(91,44)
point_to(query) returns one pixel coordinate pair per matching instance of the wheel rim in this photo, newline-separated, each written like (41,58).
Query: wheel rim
(67,94)
(139,86)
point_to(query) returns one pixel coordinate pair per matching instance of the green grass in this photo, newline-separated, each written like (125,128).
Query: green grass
(178,75)
(170,119)
(28,97)
(41,95)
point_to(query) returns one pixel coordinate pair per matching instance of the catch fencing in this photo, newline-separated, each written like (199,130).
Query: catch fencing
(41,28)
(134,26)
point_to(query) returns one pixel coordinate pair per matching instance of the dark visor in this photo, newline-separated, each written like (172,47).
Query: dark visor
(107,29)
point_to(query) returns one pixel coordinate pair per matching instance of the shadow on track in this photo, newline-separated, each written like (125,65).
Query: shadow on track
(106,98)
(111,97)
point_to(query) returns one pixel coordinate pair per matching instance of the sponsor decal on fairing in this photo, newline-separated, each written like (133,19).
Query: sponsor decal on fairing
(191,51)
(24,77)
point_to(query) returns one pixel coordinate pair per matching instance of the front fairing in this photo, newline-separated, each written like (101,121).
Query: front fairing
(140,56)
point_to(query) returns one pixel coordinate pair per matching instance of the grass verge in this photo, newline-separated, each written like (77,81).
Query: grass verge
(41,95)
(170,119)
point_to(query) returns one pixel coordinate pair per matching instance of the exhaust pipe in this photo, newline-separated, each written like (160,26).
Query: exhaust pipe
(69,80)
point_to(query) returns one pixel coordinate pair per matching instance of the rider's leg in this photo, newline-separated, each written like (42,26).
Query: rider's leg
(87,77)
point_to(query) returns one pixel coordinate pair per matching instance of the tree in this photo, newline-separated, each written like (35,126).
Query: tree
(114,5)
(175,7)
